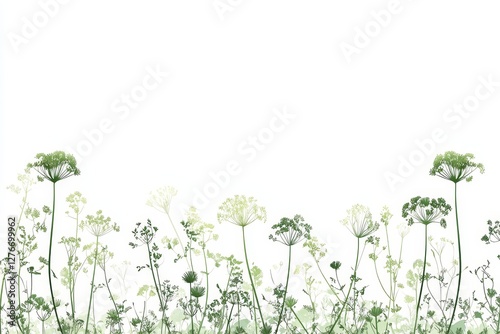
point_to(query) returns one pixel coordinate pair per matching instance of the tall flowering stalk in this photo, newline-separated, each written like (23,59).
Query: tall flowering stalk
(456,167)
(242,211)
(289,232)
(54,167)
(360,223)
(425,211)
(98,226)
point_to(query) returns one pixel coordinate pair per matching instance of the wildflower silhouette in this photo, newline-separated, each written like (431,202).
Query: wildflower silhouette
(425,211)
(54,167)
(98,226)
(289,232)
(455,167)
(160,199)
(242,211)
(360,223)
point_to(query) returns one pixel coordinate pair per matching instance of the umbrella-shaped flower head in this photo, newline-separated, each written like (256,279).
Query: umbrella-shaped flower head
(241,211)
(55,166)
(426,211)
(359,221)
(455,167)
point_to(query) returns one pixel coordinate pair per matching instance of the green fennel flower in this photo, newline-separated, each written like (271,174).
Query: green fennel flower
(359,221)
(426,211)
(455,167)
(98,225)
(291,231)
(55,166)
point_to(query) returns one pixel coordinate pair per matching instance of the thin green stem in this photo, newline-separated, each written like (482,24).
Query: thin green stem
(459,264)
(286,287)
(190,265)
(92,283)
(109,290)
(156,283)
(353,279)
(49,267)
(422,283)
(326,281)
(250,275)
(300,322)
(191,305)
(206,290)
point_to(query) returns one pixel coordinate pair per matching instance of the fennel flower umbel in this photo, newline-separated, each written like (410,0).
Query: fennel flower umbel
(291,231)
(426,211)
(55,166)
(241,211)
(455,167)
(359,221)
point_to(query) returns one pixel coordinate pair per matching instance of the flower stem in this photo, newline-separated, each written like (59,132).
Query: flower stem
(421,284)
(206,290)
(353,279)
(286,287)
(49,267)
(300,322)
(92,284)
(250,275)
(459,263)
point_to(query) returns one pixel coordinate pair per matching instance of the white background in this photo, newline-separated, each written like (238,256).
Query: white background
(353,120)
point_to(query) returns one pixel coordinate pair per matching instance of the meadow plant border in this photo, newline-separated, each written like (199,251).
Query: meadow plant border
(239,305)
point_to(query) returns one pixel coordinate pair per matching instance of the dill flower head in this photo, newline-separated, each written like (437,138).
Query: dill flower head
(161,198)
(55,166)
(359,221)
(99,225)
(291,231)
(241,211)
(455,167)
(426,211)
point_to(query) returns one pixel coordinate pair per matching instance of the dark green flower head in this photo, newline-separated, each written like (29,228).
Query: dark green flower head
(455,167)
(426,211)
(190,277)
(290,302)
(291,231)
(376,311)
(55,166)
(197,291)
(335,265)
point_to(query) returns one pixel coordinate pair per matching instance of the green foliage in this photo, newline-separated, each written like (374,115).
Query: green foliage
(239,297)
